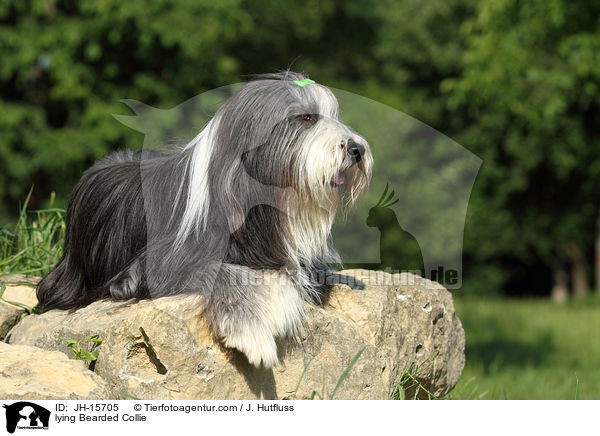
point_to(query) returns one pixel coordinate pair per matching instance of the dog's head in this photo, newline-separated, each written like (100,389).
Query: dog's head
(287,130)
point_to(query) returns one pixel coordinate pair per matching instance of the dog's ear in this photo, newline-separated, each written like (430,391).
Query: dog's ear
(255,162)
(251,164)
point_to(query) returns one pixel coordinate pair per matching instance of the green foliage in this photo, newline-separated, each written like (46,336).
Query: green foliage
(34,245)
(410,385)
(528,99)
(66,65)
(418,46)
(75,346)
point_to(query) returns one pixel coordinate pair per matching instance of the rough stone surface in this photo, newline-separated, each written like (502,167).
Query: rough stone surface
(162,349)
(30,373)
(21,293)
(9,316)
(11,313)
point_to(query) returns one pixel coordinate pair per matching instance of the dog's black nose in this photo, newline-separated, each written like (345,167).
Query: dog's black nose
(355,150)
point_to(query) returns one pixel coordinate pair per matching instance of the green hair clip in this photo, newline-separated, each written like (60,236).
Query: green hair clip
(303,82)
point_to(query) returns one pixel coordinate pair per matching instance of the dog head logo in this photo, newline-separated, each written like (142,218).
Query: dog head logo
(268,140)
(26,415)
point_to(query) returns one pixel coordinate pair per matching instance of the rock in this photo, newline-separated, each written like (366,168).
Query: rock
(9,316)
(22,293)
(35,374)
(16,300)
(162,349)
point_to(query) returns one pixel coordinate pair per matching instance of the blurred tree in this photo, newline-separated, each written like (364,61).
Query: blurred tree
(66,64)
(419,44)
(529,99)
(597,257)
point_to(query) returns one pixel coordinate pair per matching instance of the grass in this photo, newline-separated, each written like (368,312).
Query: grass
(409,387)
(530,349)
(34,244)
(516,348)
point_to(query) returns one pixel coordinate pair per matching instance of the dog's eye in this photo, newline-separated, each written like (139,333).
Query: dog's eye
(309,118)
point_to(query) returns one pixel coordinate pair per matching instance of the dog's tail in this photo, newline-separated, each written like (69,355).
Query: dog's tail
(63,288)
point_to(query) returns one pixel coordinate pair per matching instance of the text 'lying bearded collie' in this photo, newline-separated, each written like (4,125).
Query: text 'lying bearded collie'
(241,215)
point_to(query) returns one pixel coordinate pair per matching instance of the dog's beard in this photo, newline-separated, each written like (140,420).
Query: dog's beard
(339,185)
(349,182)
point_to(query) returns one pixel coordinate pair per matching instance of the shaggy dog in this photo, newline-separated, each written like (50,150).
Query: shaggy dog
(241,215)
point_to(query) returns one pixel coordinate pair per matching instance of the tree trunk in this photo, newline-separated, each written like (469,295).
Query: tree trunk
(560,290)
(579,269)
(597,262)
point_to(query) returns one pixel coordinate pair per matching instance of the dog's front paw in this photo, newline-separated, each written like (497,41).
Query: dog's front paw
(258,348)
